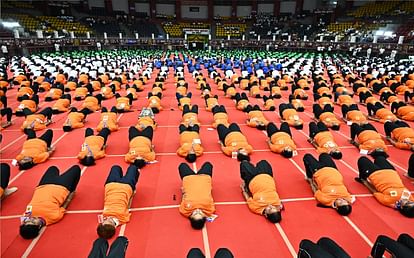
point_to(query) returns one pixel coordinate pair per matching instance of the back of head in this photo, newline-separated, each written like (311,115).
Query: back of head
(197,223)
(241,157)
(88,161)
(29,231)
(336,154)
(274,217)
(191,158)
(344,210)
(139,163)
(407,210)
(24,165)
(105,231)
(287,153)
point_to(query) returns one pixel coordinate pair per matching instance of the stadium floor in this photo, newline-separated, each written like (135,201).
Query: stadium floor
(156,228)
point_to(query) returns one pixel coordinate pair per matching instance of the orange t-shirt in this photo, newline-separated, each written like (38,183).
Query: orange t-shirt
(186,144)
(190,118)
(27,103)
(61,105)
(140,146)
(263,190)
(71,85)
(256,117)
(123,103)
(370,140)
(325,142)
(406,113)
(144,122)
(197,195)
(330,186)
(108,120)
(235,141)
(329,119)
(34,121)
(81,92)
(385,115)
(75,120)
(279,141)
(404,136)
(47,201)
(345,100)
(93,144)
(117,196)
(242,104)
(210,103)
(91,103)
(220,118)
(389,186)
(34,148)
(356,116)
(154,102)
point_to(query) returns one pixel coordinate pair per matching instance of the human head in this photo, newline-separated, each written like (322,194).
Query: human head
(30,227)
(287,152)
(342,206)
(26,163)
(407,209)
(336,154)
(139,163)
(197,219)
(242,155)
(191,157)
(106,229)
(272,213)
(88,161)
(335,127)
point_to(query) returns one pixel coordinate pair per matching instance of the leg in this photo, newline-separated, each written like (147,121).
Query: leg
(370,109)
(70,178)
(234,127)
(333,248)
(206,169)
(383,163)
(49,177)
(313,129)
(311,165)
(271,129)
(47,137)
(5,175)
(263,167)
(186,109)
(132,133)
(222,132)
(384,243)
(118,248)
(366,167)
(317,110)
(115,175)
(47,112)
(389,127)
(223,253)
(182,128)
(185,170)
(308,249)
(327,160)
(410,171)
(247,172)
(99,248)
(8,112)
(104,133)
(355,130)
(284,127)
(148,132)
(31,134)
(195,253)
(322,127)
(131,176)
(406,240)
(369,127)
(88,132)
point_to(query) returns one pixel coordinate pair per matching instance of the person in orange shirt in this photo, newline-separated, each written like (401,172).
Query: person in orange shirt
(190,143)
(383,181)
(297,103)
(62,105)
(256,117)
(269,104)
(352,114)
(76,119)
(259,190)
(220,116)
(368,139)
(403,111)
(50,200)
(275,91)
(288,114)
(197,202)
(280,140)
(146,118)
(29,104)
(211,101)
(35,150)
(92,102)
(233,142)
(299,93)
(119,191)
(141,149)
(229,90)
(5,190)
(54,93)
(183,100)
(93,147)
(37,121)
(379,113)
(409,97)
(326,116)
(389,97)
(327,183)
(323,140)
(123,104)
(242,101)
(5,111)
(154,102)
(400,134)
(190,115)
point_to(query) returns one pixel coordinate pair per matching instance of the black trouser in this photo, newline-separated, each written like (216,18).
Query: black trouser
(345,109)
(250,108)
(248,171)
(220,253)
(366,167)
(46,136)
(312,164)
(378,86)
(325,248)
(113,110)
(68,179)
(364,95)
(130,178)
(47,112)
(356,129)
(104,133)
(8,112)
(318,111)
(187,109)
(395,248)
(219,109)
(3,99)
(410,170)
(84,111)
(356,86)
(241,96)
(5,175)
(390,126)
(373,108)
(117,250)
(385,95)
(223,131)
(408,95)
(134,132)
(315,128)
(195,128)
(284,106)
(185,170)
(396,105)
(272,129)
(394,86)
(67,96)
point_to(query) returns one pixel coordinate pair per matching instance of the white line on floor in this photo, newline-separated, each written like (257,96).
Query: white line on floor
(355,227)
(33,243)
(206,242)
(286,240)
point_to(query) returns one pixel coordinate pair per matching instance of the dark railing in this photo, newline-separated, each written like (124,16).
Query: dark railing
(26,46)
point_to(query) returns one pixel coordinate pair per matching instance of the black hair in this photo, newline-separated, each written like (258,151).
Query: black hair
(139,163)
(287,153)
(29,231)
(274,217)
(191,158)
(88,161)
(407,210)
(26,165)
(344,210)
(241,157)
(336,154)
(197,223)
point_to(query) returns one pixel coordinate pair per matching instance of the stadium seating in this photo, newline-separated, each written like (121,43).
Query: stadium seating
(232,29)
